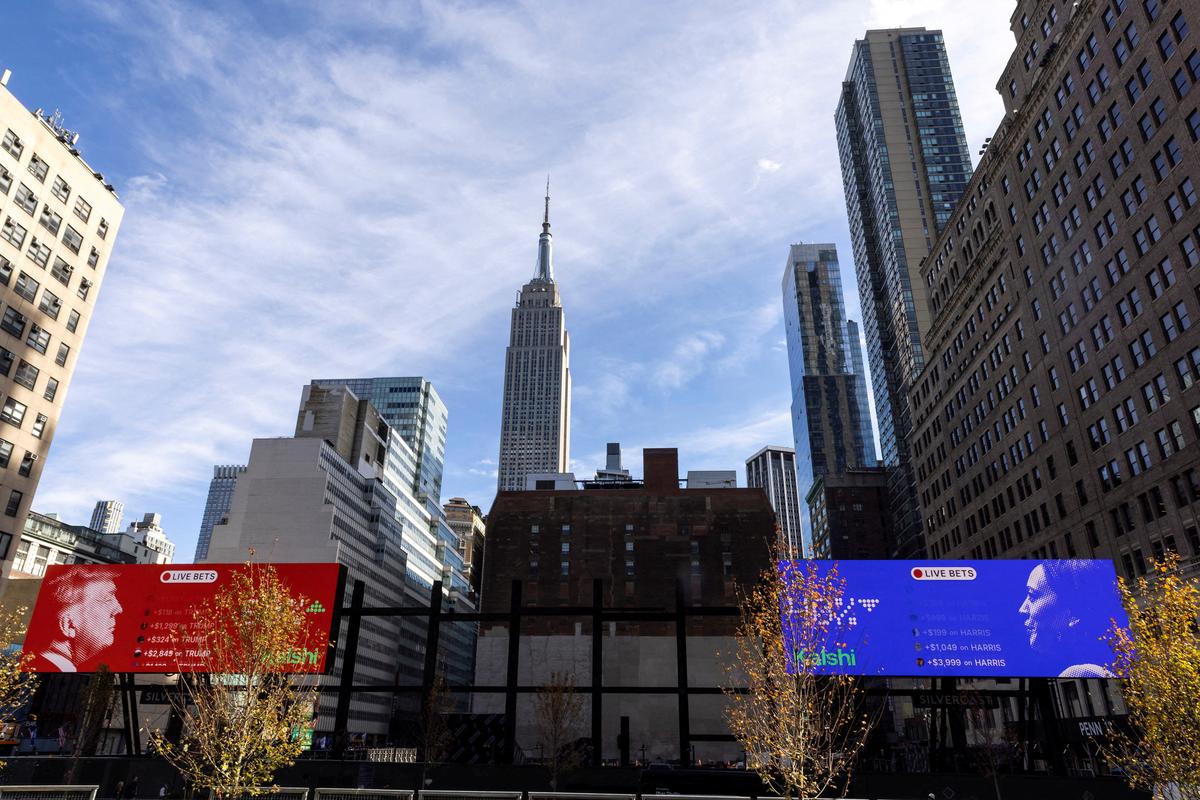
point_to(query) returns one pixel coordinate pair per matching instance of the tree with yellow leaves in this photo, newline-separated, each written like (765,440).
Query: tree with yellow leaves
(802,727)
(244,714)
(1158,656)
(16,685)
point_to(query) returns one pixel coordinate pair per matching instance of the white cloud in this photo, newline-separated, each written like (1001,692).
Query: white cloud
(357,192)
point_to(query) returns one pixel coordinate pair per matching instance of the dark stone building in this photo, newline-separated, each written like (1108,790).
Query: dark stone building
(641,539)
(850,516)
(1059,410)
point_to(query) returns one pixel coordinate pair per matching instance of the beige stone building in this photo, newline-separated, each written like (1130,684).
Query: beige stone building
(59,220)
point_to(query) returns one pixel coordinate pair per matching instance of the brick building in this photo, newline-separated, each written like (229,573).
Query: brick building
(850,514)
(641,539)
(1058,412)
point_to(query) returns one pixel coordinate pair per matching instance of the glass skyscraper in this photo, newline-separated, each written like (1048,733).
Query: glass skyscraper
(905,163)
(827,415)
(220,495)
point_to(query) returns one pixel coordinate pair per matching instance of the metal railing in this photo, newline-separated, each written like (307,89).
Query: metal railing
(273,793)
(48,792)
(444,794)
(579,796)
(363,794)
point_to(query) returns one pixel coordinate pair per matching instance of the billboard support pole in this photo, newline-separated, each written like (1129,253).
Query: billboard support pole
(681,672)
(1049,715)
(126,718)
(134,728)
(341,717)
(510,680)
(429,673)
(597,670)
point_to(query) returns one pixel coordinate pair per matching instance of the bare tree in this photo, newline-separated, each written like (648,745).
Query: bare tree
(247,715)
(802,726)
(558,710)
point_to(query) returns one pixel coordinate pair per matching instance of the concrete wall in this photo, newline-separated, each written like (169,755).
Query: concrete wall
(628,661)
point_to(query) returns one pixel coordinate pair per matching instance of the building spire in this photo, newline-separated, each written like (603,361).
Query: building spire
(545,265)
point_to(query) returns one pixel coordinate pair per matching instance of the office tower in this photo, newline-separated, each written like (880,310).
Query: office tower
(413,409)
(468,524)
(149,533)
(1057,414)
(642,540)
(220,495)
(418,419)
(60,221)
(826,417)
(849,512)
(535,424)
(773,469)
(854,338)
(342,489)
(612,472)
(904,164)
(106,516)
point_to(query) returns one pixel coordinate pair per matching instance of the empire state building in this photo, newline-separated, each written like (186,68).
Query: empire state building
(535,426)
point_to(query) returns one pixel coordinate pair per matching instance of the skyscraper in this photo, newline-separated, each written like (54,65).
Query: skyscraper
(905,164)
(773,469)
(106,516)
(535,424)
(60,220)
(826,416)
(854,338)
(220,495)
(412,408)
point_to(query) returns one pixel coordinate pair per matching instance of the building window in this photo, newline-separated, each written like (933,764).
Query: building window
(50,219)
(61,189)
(51,389)
(38,339)
(6,450)
(26,287)
(13,233)
(27,374)
(14,503)
(26,464)
(38,253)
(102,229)
(38,168)
(13,412)
(93,258)
(83,209)
(39,425)
(73,321)
(62,271)
(13,322)
(73,239)
(50,305)
(12,143)
(26,200)
(85,286)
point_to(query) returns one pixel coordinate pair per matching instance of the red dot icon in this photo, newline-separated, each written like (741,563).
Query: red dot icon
(916,573)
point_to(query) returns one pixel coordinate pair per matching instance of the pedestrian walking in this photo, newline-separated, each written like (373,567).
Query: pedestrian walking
(132,789)
(119,791)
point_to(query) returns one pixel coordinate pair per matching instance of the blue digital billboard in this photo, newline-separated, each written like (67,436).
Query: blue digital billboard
(969,618)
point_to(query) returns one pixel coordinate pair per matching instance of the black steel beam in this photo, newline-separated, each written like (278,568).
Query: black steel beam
(597,669)
(341,717)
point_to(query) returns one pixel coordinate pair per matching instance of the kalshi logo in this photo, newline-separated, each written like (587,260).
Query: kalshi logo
(188,576)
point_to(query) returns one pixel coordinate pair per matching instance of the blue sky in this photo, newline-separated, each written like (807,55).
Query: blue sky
(354,188)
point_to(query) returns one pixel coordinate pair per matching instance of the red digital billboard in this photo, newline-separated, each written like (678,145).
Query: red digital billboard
(135,617)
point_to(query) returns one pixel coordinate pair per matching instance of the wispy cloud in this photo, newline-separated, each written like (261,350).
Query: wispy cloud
(354,188)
